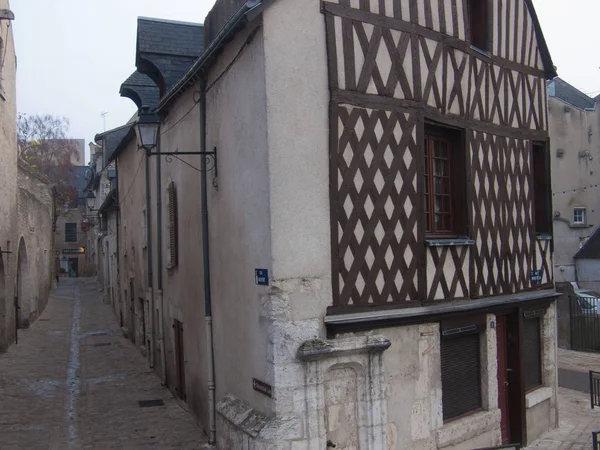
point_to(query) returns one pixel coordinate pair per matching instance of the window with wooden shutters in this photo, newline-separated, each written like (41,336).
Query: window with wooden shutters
(532,353)
(461,375)
(172,203)
(542,190)
(444,183)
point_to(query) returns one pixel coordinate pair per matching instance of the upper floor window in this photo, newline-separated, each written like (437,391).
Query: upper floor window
(70,232)
(445,209)
(479,24)
(173,238)
(579,216)
(542,190)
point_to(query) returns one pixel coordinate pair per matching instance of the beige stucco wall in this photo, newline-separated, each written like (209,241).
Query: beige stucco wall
(239,227)
(576,133)
(35,213)
(133,244)
(8,174)
(182,286)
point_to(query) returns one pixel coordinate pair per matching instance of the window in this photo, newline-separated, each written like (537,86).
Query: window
(445,210)
(172,204)
(479,24)
(532,349)
(70,232)
(542,194)
(579,216)
(461,375)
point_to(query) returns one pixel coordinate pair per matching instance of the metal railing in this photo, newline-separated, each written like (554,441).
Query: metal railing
(584,315)
(594,388)
(595,441)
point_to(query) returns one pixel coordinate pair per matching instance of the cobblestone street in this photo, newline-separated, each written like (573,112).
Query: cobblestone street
(73,382)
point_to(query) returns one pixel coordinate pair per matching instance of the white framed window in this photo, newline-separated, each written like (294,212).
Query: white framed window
(579,216)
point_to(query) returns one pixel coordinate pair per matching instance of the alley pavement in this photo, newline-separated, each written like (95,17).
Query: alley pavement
(576,417)
(74,382)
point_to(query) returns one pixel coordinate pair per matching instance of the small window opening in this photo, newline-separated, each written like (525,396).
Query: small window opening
(479,24)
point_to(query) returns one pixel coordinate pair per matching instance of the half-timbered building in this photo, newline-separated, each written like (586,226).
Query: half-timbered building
(379,225)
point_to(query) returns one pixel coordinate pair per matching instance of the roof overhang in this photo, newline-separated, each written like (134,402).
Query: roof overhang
(246,14)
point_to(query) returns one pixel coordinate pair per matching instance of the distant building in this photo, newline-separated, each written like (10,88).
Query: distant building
(574,122)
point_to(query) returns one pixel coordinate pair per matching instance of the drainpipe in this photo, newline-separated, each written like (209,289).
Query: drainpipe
(118,279)
(159,261)
(149,262)
(206,267)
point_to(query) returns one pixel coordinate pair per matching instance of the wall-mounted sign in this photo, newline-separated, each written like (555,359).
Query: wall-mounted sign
(262,387)
(261,277)
(536,276)
(73,251)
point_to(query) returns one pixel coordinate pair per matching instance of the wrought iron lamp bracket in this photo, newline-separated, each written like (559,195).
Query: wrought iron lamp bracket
(210,158)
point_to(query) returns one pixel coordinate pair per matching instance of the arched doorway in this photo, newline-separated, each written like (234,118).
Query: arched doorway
(23,286)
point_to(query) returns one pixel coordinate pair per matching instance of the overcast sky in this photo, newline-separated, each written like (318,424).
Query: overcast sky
(73,55)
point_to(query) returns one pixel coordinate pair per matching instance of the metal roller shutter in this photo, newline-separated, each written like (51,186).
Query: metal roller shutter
(461,375)
(532,350)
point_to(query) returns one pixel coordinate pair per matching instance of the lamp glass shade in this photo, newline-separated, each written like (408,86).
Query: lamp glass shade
(90,199)
(147,133)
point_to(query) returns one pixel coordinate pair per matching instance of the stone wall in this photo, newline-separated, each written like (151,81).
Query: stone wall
(8,175)
(36,243)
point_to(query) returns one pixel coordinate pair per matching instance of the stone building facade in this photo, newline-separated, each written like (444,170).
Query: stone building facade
(36,244)
(574,122)
(26,211)
(302,285)
(8,172)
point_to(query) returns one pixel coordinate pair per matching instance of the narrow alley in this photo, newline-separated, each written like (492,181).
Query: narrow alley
(74,382)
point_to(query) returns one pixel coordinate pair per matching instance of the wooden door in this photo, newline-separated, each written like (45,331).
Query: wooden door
(503,383)
(179,360)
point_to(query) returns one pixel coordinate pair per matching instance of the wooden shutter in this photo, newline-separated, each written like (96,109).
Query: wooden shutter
(532,353)
(461,375)
(172,200)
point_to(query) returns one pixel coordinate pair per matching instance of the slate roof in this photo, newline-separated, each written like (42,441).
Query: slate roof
(170,37)
(112,139)
(559,88)
(141,90)
(166,49)
(591,248)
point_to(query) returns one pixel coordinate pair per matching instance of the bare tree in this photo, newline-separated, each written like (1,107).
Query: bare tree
(44,146)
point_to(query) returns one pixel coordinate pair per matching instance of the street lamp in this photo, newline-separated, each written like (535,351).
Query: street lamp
(90,199)
(147,129)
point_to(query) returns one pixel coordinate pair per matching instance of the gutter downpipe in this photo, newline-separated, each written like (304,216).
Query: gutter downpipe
(150,293)
(118,213)
(159,274)
(206,268)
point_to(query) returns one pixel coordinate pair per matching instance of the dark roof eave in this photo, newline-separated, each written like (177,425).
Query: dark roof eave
(124,143)
(243,16)
(549,69)
(587,251)
(109,201)
(101,136)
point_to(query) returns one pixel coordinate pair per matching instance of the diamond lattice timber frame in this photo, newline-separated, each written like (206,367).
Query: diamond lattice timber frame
(393,66)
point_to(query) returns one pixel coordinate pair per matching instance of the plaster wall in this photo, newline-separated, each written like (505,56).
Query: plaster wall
(239,211)
(182,285)
(298,132)
(35,210)
(588,272)
(575,134)
(133,256)
(8,174)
